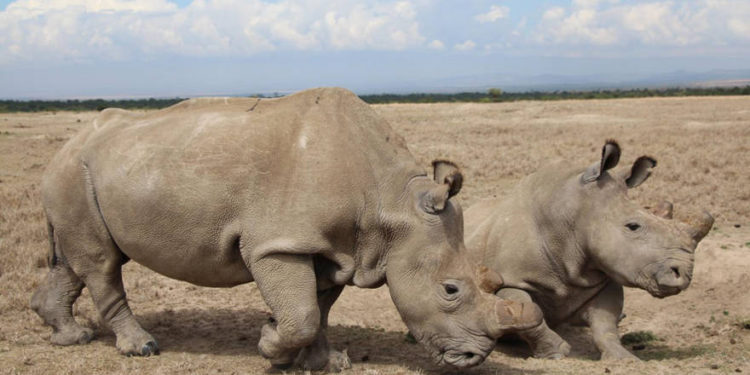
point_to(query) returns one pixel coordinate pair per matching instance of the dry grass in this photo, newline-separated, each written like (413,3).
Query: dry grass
(702,148)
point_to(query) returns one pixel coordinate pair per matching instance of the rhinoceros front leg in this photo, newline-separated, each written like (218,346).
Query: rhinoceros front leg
(288,285)
(319,355)
(544,342)
(602,314)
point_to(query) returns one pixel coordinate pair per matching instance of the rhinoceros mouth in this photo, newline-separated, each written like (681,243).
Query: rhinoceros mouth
(462,356)
(461,359)
(663,292)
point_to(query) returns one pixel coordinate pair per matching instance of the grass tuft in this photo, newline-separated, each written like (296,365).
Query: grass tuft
(659,352)
(638,337)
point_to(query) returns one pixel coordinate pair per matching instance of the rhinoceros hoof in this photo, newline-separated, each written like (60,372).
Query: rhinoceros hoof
(338,361)
(269,348)
(72,336)
(329,360)
(146,349)
(553,351)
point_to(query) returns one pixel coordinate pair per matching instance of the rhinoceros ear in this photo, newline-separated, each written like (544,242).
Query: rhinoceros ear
(640,171)
(447,172)
(449,179)
(663,209)
(610,158)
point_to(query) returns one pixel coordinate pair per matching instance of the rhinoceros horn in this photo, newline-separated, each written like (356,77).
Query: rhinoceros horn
(699,225)
(511,316)
(663,209)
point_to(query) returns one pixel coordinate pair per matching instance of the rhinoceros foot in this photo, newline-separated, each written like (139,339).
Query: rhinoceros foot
(270,348)
(72,335)
(148,349)
(136,342)
(332,361)
(546,343)
(338,361)
(553,349)
(618,353)
(319,356)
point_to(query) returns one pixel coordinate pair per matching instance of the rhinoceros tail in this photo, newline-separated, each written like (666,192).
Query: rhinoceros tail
(51,257)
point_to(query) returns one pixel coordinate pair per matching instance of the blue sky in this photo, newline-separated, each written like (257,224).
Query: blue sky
(121,48)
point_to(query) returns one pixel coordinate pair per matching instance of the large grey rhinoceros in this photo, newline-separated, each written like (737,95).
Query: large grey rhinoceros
(303,194)
(569,239)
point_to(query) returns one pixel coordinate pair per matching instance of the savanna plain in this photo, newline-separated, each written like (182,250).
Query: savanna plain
(702,146)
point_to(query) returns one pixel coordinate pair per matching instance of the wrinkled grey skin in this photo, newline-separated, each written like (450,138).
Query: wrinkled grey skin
(303,195)
(569,239)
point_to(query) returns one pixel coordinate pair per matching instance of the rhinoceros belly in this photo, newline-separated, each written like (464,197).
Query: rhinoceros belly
(191,246)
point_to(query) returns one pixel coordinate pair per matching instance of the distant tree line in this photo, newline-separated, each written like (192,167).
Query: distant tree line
(83,105)
(491,96)
(497,95)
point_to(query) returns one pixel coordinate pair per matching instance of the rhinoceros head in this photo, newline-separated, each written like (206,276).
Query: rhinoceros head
(442,296)
(634,246)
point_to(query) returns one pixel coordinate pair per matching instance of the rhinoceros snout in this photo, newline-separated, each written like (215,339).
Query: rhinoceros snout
(673,278)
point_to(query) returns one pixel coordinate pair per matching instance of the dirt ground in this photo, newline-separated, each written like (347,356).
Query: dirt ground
(702,147)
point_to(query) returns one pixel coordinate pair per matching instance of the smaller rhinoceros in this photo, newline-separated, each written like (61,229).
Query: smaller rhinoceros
(569,239)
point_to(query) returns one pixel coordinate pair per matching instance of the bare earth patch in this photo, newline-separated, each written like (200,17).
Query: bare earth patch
(703,150)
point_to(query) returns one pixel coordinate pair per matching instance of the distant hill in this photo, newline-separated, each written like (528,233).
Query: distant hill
(561,82)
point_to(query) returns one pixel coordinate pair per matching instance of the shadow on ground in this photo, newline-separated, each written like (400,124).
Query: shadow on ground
(660,352)
(583,347)
(579,338)
(235,332)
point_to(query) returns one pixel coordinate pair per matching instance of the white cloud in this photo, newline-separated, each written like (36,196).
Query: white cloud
(115,29)
(465,46)
(581,26)
(495,13)
(655,23)
(553,13)
(740,26)
(33,8)
(436,44)
(592,3)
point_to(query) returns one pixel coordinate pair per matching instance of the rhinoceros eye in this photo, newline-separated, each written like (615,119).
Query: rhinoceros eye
(450,288)
(633,226)
(450,293)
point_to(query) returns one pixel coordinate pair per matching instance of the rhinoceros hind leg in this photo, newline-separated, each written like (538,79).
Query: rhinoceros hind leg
(109,297)
(288,285)
(53,302)
(98,263)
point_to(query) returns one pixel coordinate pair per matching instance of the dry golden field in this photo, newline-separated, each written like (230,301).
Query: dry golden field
(703,149)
